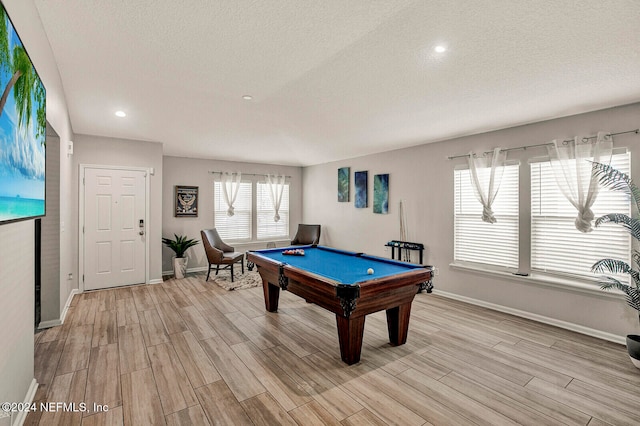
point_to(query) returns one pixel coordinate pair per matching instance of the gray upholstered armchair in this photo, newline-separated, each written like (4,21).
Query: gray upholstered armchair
(307,234)
(219,253)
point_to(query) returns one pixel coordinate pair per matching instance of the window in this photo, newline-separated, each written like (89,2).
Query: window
(267,227)
(480,242)
(556,245)
(253,218)
(238,226)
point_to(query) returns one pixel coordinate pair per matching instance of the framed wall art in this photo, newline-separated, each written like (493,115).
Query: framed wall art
(343,184)
(361,197)
(186,201)
(381,194)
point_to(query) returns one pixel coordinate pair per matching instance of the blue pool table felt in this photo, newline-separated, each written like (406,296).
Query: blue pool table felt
(341,266)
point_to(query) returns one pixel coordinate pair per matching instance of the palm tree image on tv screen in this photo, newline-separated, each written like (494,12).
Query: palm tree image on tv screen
(22,129)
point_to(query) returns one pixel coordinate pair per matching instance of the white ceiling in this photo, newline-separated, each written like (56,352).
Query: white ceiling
(335,79)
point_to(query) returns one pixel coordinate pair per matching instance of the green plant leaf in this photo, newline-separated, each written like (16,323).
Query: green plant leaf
(616,180)
(611,178)
(635,255)
(180,244)
(629,223)
(632,294)
(615,266)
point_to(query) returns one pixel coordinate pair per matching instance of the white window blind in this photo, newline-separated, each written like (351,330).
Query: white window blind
(480,242)
(267,227)
(556,245)
(238,226)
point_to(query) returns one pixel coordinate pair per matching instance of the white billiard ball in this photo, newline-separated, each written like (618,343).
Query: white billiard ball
(370,271)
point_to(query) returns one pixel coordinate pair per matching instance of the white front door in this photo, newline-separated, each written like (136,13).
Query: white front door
(114,227)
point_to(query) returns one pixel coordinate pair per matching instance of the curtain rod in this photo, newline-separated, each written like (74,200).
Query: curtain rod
(243,174)
(564,142)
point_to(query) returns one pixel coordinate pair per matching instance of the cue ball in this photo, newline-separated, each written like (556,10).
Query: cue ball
(370,271)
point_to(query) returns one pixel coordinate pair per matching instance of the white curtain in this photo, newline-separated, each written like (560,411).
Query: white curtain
(276,188)
(571,164)
(486,176)
(230,187)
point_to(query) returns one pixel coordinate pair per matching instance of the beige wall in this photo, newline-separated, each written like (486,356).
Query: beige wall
(50,286)
(16,315)
(17,248)
(422,176)
(195,172)
(96,150)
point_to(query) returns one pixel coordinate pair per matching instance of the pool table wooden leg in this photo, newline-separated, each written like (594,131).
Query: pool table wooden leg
(350,332)
(398,323)
(271,296)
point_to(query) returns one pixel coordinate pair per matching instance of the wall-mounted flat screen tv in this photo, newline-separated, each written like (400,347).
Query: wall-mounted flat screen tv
(22,129)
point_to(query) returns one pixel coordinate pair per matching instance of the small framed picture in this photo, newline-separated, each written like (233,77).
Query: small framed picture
(186,201)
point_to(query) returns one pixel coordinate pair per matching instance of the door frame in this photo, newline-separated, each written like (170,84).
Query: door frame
(81,241)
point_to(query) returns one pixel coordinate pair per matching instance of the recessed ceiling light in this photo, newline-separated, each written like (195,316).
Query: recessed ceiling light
(440,49)
(121,114)
(247,97)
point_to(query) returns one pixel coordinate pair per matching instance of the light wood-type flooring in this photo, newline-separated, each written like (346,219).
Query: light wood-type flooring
(186,352)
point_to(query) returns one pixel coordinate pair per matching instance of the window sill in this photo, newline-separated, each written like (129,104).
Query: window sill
(263,243)
(543,280)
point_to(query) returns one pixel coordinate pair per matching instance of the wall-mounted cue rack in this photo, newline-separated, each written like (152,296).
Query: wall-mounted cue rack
(404,245)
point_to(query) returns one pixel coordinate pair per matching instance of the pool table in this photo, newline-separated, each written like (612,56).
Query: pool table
(339,281)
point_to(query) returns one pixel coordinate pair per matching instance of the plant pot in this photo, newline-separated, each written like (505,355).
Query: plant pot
(633,347)
(180,267)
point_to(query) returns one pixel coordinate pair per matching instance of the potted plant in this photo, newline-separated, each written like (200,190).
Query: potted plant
(618,181)
(179,245)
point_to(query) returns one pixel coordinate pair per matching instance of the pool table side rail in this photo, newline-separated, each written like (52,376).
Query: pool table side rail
(317,288)
(379,294)
(374,295)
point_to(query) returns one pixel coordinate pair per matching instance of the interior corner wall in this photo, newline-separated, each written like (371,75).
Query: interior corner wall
(422,177)
(50,260)
(96,150)
(195,172)
(16,316)
(17,248)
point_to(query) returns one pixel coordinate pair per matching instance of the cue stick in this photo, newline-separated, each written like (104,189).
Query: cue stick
(403,233)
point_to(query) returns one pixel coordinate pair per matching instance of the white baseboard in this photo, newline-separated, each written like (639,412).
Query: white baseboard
(21,416)
(67,304)
(198,269)
(63,314)
(156,281)
(535,317)
(48,324)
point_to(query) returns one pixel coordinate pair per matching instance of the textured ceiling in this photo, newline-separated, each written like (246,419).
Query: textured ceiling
(334,79)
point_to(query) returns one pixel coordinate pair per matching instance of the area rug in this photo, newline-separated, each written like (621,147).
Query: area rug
(240,281)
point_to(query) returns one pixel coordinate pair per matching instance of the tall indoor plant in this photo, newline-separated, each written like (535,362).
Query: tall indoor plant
(618,181)
(179,245)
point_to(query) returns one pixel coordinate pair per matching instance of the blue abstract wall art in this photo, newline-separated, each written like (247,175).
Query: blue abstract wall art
(381,194)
